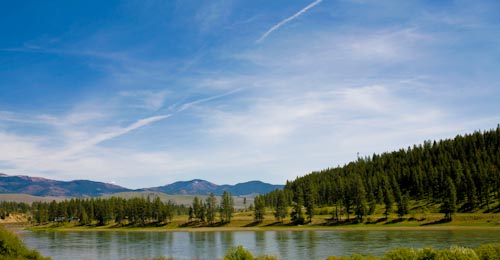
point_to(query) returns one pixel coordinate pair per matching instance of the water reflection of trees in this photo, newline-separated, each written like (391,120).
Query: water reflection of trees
(282,239)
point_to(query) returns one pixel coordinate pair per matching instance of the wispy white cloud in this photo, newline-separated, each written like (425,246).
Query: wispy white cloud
(287,20)
(110,134)
(301,130)
(203,100)
(378,81)
(77,153)
(147,99)
(17,118)
(212,13)
(344,52)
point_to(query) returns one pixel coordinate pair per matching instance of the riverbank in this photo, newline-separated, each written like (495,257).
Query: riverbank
(257,229)
(244,222)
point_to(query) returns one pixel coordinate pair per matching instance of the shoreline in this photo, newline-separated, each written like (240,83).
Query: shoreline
(263,229)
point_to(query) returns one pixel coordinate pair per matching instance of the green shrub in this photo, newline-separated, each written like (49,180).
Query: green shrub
(488,251)
(484,252)
(428,254)
(352,257)
(238,253)
(458,253)
(11,247)
(454,253)
(401,254)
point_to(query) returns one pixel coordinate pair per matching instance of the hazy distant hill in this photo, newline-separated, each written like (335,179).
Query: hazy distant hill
(45,187)
(83,188)
(202,187)
(250,187)
(196,186)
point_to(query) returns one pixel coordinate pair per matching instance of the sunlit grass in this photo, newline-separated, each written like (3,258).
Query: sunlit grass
(422,215)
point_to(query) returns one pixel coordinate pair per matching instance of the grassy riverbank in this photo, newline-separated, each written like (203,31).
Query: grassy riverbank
(243,221)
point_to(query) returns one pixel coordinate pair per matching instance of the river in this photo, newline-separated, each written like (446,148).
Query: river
(288,245)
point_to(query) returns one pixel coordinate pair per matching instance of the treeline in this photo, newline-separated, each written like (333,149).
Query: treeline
(461,174)
(136,211)
(8,207)
(205,211)
(101,211)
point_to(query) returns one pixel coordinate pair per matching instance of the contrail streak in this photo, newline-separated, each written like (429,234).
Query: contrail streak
(278,25)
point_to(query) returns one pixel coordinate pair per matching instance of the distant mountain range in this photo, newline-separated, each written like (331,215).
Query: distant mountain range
(202,187)
(84,188)
(45,187)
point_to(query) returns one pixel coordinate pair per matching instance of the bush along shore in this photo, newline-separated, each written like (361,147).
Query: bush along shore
(11,247)
(483,252)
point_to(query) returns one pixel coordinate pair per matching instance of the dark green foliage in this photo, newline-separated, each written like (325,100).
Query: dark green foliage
(11,247)
(403,203)
(211,207)
(388,198)
(359,195)
(259,209)
(449,200)
(8,207)
(226,207)
(191,213)
(461,173)
(488,251)
(297,214)
(309,204)
(199,210)
(135,211)
(280,208)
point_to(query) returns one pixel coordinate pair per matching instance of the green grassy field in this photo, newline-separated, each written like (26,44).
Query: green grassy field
(245,221)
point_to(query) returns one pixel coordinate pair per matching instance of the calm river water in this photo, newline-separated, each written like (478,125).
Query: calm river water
(212,245)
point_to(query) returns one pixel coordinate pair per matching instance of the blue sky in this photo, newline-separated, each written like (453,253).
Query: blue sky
(145,93)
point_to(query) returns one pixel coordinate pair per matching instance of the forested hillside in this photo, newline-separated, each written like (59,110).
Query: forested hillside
(461,174)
